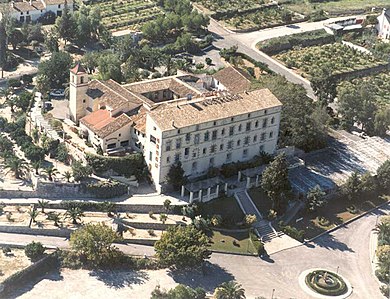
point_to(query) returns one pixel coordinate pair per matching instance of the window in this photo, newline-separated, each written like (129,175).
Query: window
(265,121)
(152,139)
(206,136)
(261,148)
(150,156)
(84,101)
(256,123)
(178,143)
(238,142)
(231,131)
(248,126)
(255,138)
(168,146)
(204,151)
(59,5)
(249,115)
(214,135)
(246,140)
(125,143)
(178,131)
(111,146)
(272,120)
(211,161)
(221,147)
(245,153)
(120,134)
(230,144)
(194,166)
(262,138)
(194,154)
(186,151)
(232,119)
(228,157)
(188,137)
(271,134)
(265,111)
(239,128)
(212,148)
(223,132)
(81,80)
(196,139)
(177,158)
(154,128)
(168,159)
(197,128)
(215,123)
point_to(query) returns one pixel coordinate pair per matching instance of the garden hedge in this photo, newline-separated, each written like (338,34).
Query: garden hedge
(107,189)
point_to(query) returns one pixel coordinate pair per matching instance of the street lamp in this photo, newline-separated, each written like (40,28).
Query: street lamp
(273,291)
(337,271)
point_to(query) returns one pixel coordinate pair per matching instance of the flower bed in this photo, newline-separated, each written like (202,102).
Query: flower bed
(337,57)
(326,283)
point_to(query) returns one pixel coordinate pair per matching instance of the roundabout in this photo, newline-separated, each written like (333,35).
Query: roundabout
(321,283)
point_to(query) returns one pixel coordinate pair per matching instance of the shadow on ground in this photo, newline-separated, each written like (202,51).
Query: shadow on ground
(27,286)
(120,279)
(331,243)
(207,278)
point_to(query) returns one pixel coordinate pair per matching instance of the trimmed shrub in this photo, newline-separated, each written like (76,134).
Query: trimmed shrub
(34,250)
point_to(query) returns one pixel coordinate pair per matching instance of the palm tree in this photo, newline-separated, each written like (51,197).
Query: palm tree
(51,172)
(36,165)
(17,166)
(43,204)
(67,176)
(229,290)
(53,216)
(74,213)
(33,215)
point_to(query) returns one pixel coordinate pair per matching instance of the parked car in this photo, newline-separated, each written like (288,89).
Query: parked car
(57,93)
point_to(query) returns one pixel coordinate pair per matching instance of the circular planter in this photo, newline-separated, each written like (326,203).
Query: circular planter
(321,283)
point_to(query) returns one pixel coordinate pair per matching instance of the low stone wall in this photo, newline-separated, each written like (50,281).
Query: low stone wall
(16,229)
(41,267)
(147,242)
(363,72)
(256,28)
(149,225)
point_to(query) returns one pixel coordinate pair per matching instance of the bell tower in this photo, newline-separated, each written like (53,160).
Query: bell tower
(77,93)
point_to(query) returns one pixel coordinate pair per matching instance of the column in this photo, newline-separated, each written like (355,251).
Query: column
(191,196)
(182,191)
(239,176)
(257,180)
(208,193)
(248,182)
(217,190)
(200,195)
(226,188)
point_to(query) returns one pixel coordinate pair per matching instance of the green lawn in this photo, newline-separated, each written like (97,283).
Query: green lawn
(231,242)
(261,200)
(227,207)
(336,212)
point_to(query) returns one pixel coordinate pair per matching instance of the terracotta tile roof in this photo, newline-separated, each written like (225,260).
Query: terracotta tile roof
(175,85)
(103,124)
(171,116)
(78,69)
(56,2)
(23,7)
(235,80)
(109,93)
(139,121)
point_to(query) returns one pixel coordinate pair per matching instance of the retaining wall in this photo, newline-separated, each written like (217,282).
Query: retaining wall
(17,229)
(31,273)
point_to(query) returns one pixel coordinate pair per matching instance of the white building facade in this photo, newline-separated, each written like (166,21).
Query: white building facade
(383,26)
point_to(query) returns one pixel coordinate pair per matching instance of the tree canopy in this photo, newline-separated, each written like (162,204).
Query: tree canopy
(56,69)
(182,247)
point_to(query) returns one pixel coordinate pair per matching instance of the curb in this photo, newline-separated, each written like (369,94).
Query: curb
(347,222)
(23,245)
(234,253)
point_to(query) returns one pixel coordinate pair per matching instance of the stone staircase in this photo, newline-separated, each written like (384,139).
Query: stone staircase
(263,227)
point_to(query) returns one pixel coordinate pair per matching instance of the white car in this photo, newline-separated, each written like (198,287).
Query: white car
(58,93)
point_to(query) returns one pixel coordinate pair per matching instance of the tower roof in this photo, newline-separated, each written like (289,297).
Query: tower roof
(78,69)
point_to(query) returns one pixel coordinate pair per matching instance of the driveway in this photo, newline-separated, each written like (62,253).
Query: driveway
(346,250)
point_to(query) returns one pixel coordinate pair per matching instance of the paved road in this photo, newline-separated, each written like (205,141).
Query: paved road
(346,248)
(246,43)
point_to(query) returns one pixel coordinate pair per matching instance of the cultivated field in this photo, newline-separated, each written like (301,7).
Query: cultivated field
(127,14)
(337,57)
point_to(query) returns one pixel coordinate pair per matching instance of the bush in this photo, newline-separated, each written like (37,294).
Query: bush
(294,233)
(34,250)
(259,246)
(107,189)
(14,82)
